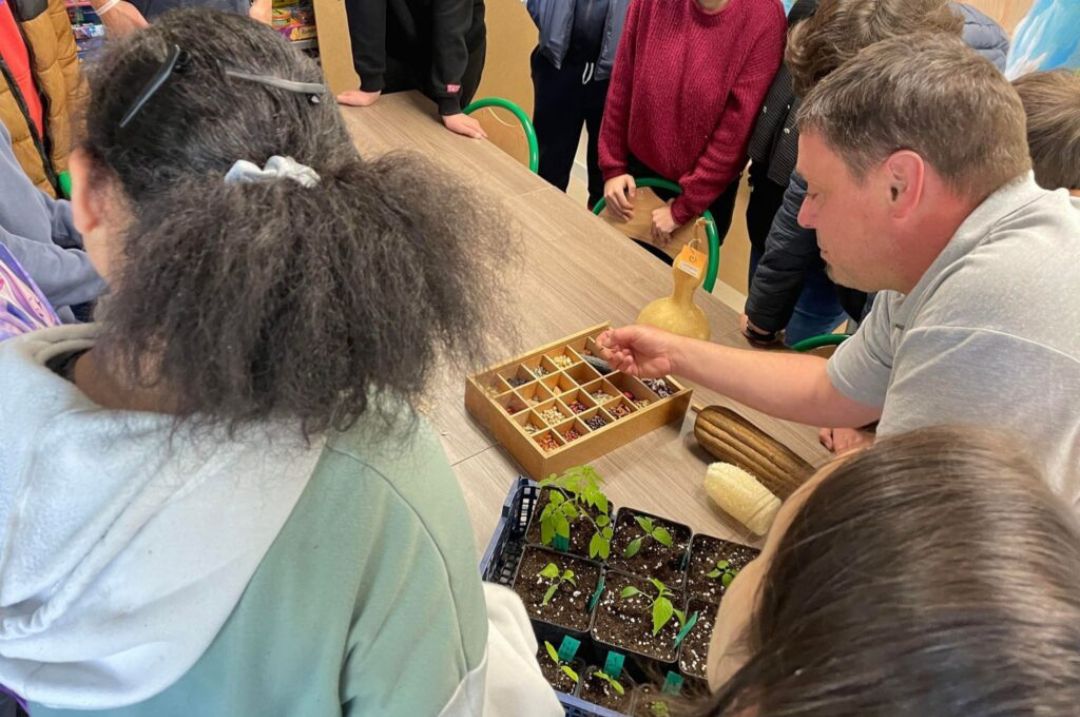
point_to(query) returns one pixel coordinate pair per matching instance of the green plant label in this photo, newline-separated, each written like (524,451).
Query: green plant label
(560,542)
(672,684)
(568,649)
(614,663)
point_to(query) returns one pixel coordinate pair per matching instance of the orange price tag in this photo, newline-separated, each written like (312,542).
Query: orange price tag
(691,261)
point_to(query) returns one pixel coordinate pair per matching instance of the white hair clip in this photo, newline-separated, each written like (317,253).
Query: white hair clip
(277,167)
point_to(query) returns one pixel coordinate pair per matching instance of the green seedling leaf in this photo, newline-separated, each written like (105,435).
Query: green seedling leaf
(556,498)
(681,617)
(605,547)
(552,652)
(595,543)
(629,591)
(607,532)
(570,672)
(645,523)
(713,574)
(602,520)
(663,537)
(660,587)
(632,548)
(659,709)
(562,527)
(723,564)
(615,684)
(551,570)
(662,611)
(550,594)
(547,530)
(601,502)
(568,576)
(726,580)
(570,511)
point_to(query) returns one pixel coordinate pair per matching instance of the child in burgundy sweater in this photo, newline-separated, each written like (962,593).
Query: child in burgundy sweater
(689,78)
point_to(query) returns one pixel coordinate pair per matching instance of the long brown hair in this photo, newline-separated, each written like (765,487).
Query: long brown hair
(933,574)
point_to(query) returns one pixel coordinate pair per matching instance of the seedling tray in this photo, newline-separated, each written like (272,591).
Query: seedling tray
(499,565)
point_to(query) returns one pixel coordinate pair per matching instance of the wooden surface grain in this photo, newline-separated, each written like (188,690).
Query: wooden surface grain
(573,271)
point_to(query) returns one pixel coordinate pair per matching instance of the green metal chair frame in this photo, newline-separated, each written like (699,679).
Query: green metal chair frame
(526,124)
(710,226)
(816,342)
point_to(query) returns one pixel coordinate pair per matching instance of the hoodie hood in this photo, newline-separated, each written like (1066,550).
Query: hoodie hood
(124,544)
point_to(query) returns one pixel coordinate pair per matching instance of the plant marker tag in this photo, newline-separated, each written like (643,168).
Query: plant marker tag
(560,543)
(686,629)
(596,595)
(673,684)
(568,649)
(613,664)
(691,261)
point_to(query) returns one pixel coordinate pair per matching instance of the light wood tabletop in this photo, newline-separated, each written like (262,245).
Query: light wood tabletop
(575,272)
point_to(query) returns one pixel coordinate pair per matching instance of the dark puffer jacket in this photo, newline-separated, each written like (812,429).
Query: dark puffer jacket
(790,250)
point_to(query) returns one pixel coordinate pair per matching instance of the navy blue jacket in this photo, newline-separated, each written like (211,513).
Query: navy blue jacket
(555,19)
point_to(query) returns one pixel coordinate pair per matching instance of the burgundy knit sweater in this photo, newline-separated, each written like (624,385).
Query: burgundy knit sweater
(685,91)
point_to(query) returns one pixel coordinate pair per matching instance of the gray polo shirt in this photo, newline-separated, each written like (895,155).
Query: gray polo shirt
(989,336)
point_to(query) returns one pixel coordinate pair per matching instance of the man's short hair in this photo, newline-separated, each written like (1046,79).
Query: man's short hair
(1052,104)
(928,93)
(838,29)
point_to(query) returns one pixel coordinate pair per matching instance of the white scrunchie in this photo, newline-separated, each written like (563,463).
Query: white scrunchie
(276,167)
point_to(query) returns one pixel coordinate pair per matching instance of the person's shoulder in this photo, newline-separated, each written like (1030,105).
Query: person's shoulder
(1020,280)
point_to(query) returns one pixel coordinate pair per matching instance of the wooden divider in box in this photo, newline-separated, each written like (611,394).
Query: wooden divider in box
(554,378)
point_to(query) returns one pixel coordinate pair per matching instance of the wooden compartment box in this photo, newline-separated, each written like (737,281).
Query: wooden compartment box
(539,406)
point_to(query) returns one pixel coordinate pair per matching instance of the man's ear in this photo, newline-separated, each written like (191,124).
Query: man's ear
(906,175)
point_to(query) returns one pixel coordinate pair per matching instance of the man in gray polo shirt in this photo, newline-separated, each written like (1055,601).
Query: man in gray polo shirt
(920,188)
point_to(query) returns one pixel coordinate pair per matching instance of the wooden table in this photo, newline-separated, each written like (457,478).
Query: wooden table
(576,272)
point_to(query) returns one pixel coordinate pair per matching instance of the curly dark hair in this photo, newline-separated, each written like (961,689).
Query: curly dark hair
(264,300)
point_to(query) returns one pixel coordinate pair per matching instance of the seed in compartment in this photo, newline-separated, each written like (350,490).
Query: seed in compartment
(530,428)
(552,415)
(492,392)
(620,411)
(629,396)
(515,381)
(659,386)
(578,407)
(547,442)
(571,434)
(642,403)
(596,422)
(601,396)
(540,372)
(563,361)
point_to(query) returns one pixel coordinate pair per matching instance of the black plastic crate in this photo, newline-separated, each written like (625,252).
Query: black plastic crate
(501,559)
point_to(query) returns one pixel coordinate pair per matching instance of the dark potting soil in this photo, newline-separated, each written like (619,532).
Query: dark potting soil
(705,551)
(581,530)
(654,560)
(694,658)
(627,622)
(554,675)
(599,692)
(569,607)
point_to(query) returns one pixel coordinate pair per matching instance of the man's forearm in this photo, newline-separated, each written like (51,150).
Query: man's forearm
(793,387)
